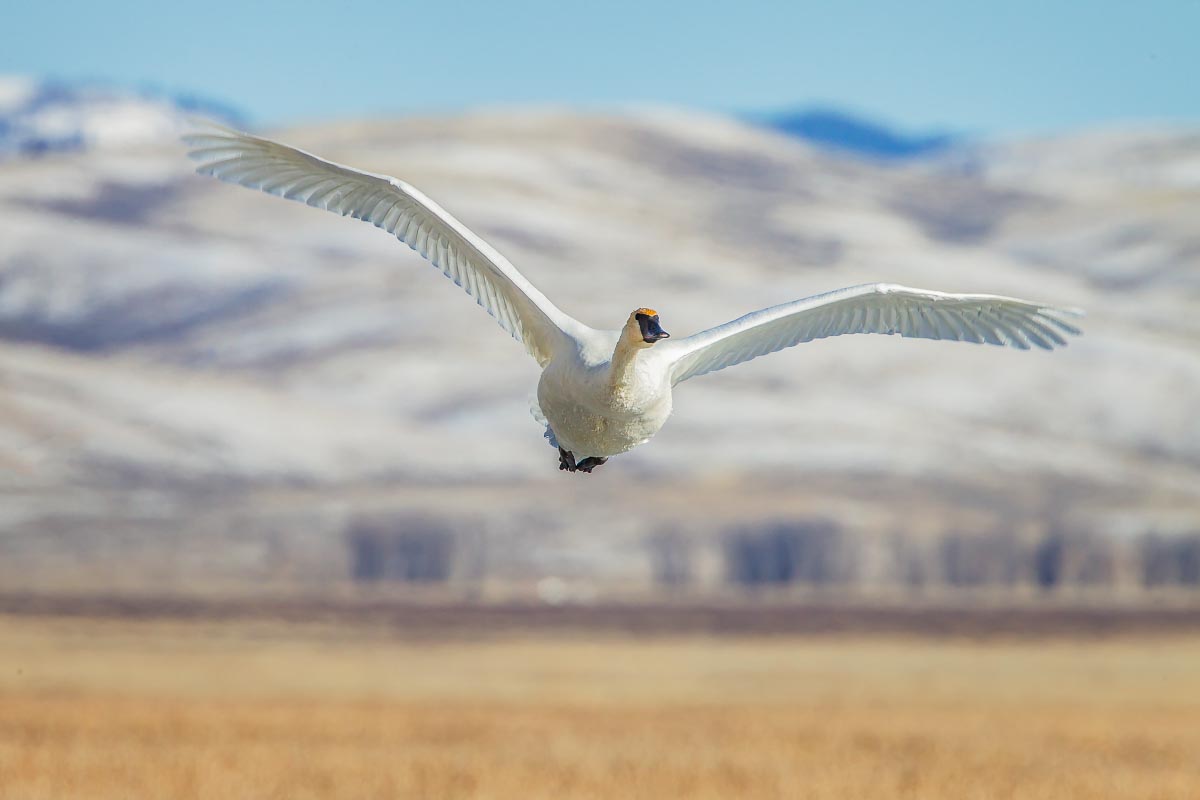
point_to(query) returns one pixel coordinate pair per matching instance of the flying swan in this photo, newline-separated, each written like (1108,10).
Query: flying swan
(604,392)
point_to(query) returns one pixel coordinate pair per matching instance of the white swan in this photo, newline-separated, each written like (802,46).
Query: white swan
(604,392)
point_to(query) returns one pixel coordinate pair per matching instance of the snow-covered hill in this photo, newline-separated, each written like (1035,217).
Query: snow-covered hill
(40,117)
(179,354)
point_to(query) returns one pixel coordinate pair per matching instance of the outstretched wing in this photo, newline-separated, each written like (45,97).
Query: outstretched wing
(872,308)
(399,209)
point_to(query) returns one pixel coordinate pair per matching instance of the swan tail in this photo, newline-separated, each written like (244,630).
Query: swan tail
(536,410)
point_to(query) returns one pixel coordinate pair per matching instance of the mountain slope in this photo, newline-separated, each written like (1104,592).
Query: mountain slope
(41,117)
(168,340)
(827,127)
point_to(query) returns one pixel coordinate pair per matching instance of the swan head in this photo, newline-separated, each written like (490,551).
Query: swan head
(643,327)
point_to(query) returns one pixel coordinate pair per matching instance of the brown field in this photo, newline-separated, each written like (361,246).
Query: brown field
(242,707)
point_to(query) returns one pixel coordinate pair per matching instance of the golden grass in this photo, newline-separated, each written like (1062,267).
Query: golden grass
(241,710)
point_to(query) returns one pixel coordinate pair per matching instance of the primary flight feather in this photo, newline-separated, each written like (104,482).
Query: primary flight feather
(604,392)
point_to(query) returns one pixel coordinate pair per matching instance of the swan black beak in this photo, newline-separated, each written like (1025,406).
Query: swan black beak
(651,330)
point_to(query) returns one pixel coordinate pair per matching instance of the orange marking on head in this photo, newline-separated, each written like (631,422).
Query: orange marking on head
(650,312)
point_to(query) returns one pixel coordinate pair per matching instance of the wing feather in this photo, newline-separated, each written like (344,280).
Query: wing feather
(401,210)
(872,308)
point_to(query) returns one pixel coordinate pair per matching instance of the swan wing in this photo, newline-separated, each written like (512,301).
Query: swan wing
(399,209)
(873,308)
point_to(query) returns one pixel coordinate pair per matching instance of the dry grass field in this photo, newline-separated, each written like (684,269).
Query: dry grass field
(242,708)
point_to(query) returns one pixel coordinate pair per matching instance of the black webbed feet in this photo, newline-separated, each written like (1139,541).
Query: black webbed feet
(566,461)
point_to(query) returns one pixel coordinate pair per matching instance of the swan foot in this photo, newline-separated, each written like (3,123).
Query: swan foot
(566,461)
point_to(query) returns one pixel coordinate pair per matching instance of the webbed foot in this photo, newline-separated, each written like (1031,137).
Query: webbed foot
(566,461)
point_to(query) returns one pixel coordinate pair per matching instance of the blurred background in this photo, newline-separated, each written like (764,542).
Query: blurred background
(263,471)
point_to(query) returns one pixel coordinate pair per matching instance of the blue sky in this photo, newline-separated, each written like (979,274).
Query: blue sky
(997,67)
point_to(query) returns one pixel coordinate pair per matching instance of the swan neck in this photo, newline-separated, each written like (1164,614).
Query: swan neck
(624,360)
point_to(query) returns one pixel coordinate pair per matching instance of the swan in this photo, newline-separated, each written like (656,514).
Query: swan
(604,392)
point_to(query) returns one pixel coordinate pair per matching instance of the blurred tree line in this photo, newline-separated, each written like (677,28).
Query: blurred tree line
(817,553)
(411,550)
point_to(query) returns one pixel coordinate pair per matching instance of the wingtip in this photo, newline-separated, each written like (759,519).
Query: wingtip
(203,131)
(202,124)
(1059,316)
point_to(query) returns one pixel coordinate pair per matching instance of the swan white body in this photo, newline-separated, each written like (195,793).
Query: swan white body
(604,392)
(601,404)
